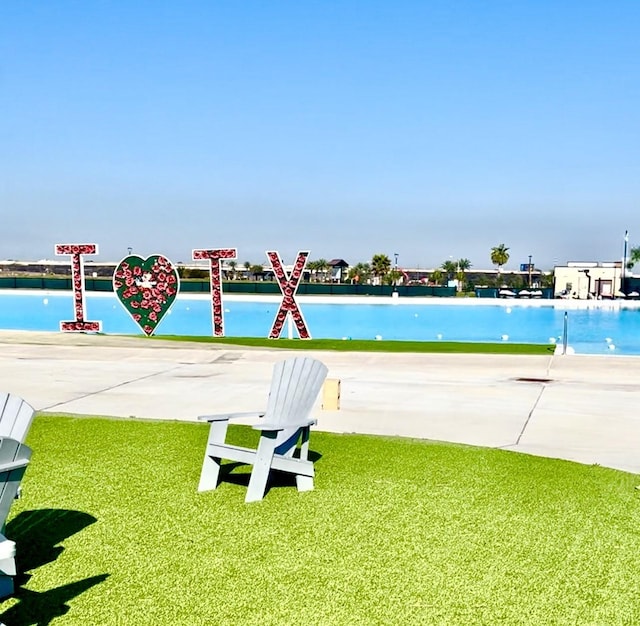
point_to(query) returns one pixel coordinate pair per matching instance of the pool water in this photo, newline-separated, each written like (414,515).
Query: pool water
(597,330)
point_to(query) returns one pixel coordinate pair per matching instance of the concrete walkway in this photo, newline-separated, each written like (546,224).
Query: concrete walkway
(586,412)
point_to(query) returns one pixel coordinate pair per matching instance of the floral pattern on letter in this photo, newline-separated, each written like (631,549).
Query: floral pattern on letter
(77,275)
(289,287)
(146,289)
(216,283)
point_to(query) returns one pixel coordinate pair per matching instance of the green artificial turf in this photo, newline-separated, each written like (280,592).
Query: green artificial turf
(366,345)
(111,530)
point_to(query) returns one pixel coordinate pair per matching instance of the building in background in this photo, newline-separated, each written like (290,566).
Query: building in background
(588,280)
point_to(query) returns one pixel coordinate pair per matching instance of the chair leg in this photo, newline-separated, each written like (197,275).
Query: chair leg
(210,473)
(261,467)
(304,483)
(211,465)
(6,586)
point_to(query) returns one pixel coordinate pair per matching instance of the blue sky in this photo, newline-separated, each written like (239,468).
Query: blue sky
(428,129)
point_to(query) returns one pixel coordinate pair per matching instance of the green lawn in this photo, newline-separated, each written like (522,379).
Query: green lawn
(397,531)
(368,345)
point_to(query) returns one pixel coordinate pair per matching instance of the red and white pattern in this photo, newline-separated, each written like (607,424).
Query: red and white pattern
(77,274)
(215,256)
(289,287)
(146,288)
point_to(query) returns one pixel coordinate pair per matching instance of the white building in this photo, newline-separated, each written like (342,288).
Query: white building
(588,280)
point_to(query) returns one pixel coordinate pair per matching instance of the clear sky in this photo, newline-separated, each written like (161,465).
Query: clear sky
(431,129)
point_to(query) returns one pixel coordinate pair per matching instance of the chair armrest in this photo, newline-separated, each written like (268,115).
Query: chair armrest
(13,465)
(275,427)
(223,417)
(20,451)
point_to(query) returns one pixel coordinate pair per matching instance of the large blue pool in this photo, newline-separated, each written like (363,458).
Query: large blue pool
(597,329)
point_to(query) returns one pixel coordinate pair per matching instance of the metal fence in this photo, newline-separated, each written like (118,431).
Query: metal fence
(238,287)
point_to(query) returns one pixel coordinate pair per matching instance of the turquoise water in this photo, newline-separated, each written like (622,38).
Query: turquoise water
(590,331)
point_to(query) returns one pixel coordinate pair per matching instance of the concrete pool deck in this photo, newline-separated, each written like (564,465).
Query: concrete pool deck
(587,411)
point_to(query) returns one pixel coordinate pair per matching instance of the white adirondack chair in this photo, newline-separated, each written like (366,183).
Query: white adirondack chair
(15,419)
(284,430)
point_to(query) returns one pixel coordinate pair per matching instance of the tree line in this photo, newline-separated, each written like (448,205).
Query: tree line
(380,270)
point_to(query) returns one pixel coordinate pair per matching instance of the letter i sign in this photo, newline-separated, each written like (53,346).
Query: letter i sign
(76,251)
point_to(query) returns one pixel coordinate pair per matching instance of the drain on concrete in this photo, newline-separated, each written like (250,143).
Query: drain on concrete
(532,379)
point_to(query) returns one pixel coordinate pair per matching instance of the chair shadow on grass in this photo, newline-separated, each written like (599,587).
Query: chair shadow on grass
(38,534)
(276,478)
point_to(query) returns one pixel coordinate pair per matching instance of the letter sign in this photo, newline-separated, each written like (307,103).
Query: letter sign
(215,257)
(77,274)
(289,287)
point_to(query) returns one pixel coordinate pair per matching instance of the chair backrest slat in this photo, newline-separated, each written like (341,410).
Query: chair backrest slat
(16,416)
(295,386)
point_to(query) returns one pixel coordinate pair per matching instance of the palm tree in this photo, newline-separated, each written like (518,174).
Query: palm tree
(634,257)
(499,256)
(233,265)
(359,273)
(450,268)
(380,265)
(323,266)
(392,277)
(461,276)
(255,270)
(436,277)
(312,266)
(247,268)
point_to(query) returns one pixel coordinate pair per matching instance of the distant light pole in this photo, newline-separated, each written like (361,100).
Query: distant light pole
(529,268)
(623,287)
(395,280)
